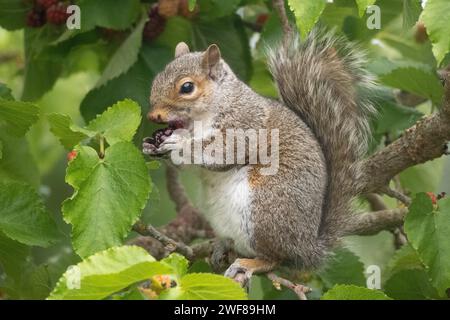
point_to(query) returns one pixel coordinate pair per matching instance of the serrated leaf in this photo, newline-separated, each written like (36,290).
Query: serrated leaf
(178,263)
(307,13)
(343,267)
(109,196)
(133,84)
(66,131)
(410,76)
(350,292)
(438,28)
(125,56)
(205,286)
(410,285)
(363,4)
(18,115)
(107,272)
(23,216)
(119,122)
(406,258)
(428,228)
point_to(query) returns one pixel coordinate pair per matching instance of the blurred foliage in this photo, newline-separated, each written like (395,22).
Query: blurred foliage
(54,81)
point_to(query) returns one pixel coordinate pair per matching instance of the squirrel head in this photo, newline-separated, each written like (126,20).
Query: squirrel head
(186,90)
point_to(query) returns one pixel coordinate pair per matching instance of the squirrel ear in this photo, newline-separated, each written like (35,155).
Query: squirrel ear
(211,57)
(181,49)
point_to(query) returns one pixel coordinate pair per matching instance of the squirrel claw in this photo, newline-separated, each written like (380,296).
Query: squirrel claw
(239,273)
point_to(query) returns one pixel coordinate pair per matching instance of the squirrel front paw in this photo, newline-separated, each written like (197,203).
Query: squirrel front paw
(161,143)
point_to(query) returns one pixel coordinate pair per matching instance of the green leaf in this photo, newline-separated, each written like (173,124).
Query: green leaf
(344,267)
(66,131)
(177,262)
(363,4)
(214,9)
(18,115)
(437,26)
(109,196)
(107,272)
(307,13)
(13,256)
(113,14)
(350,292)
(5,92)
(410,76)
(234,44)
(406,258)
(411,13)
(23,216)
(205,286)
(410,285)
(428,228)
(134,84)
(13,13)
(17,163)
(119,122)
(125,56)
(192,4)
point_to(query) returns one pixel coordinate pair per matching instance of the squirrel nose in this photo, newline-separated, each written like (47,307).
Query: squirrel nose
(154,117)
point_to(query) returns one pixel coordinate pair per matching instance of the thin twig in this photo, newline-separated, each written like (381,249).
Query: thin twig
(170,244)
(299,289)
(397,195)
(281,11)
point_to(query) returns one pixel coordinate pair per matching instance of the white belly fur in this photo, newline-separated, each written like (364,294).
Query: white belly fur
(227,203)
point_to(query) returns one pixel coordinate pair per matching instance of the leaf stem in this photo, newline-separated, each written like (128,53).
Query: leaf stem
(102,147)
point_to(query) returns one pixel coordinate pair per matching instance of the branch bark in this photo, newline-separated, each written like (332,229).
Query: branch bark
(424,141)
(371,223)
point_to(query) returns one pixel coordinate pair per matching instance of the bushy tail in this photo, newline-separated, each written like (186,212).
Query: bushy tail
(322,79)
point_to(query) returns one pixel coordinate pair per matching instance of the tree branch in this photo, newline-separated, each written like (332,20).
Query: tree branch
(187,226)
(424,141)
(300,290)
(169,244)
(371,223)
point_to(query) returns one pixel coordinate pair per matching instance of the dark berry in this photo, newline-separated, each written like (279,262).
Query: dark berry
(155,25)
(35,18)
(57,14)
(46,3)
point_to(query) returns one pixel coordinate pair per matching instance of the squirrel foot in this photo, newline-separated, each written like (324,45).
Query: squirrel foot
(242,270)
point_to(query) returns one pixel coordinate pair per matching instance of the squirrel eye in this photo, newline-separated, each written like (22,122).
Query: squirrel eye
(187,88)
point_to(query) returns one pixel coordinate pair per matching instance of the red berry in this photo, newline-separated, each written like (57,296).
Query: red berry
(432,197)
(46,3)
(155,26)
(72,155)
(35,18)
(57,14)
(262,19)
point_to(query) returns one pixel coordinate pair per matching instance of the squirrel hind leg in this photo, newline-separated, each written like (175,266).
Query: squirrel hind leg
(242,269)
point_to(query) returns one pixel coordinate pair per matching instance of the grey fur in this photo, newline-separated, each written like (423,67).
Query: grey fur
(298,214)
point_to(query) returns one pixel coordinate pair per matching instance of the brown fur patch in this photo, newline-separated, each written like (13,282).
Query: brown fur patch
(255,178)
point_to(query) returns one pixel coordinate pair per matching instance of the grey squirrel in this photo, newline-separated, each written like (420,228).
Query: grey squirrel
(296,216)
